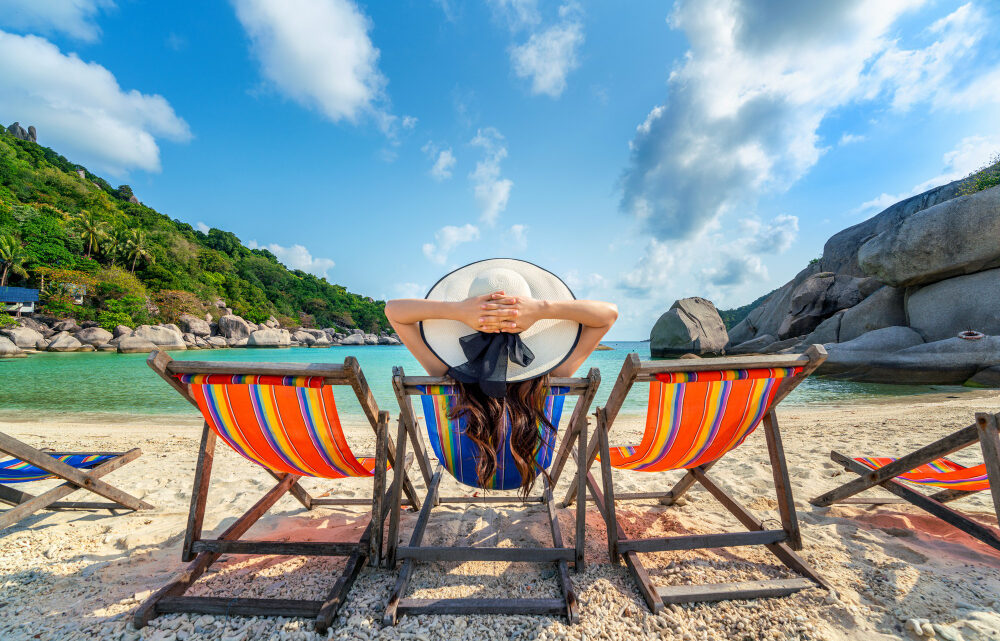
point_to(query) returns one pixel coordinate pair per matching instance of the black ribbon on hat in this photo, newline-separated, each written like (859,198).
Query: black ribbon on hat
(487,356)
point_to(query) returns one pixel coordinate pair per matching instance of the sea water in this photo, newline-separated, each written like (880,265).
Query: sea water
(96,384)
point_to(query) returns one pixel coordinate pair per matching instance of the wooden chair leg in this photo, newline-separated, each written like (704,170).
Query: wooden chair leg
(782,485)
(562,572)
(395,502)
(989,441)
(391,616)
(609,490)
(199,494)
(683,485)
(581,504)
(381,458)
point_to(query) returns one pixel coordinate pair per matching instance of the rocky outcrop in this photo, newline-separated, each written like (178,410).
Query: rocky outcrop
(16,130)
(270,338)
(815,299)
(949,239)
(135,345)
(884,308)
(64,342)
(389,340)
(22,337)
(353,339)
(945,308)
(194,325)
(690,326)
(95,336)
(232,326)
(754,345)
(8,348)
(164,338)
(68,325)
(122,330)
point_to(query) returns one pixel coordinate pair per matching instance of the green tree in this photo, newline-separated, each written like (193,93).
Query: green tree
(137,247)
(92,230)
(12,257)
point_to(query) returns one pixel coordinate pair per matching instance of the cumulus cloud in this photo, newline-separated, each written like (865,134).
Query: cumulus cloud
(74,18)
(319,54)
(971,153)
(745,105)
(772,237)
(491,190)
(517,235)
(850,139)
(297,257)
(518,14)
(444,161)
(202,227)
(79,108)
(736,270)
(448,238)
(409,290)
(550,55)
(409,122)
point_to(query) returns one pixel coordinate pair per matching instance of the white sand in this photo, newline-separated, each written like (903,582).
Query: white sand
(66,575)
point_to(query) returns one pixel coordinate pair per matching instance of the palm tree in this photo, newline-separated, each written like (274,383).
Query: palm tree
(12,257)
(137,247)
(92,230)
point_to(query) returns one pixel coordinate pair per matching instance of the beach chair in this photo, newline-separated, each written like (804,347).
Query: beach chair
(699,410)
(457,456)
(78,470)
(283,417)
(927,467)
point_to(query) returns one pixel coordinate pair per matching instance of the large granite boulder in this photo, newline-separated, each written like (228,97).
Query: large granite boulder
(852,357)
(194,325)
(95,336)
(389,340)
(943,309)
(232,326)
(8,348)
(237,342)
(216,342)
(35,324)
(358,331)
(884,308)
(827,332)
(304,337)
(690,326)
(22,337)
(122,330)
(272,323)
(270,338)
(68,325)
(986,377)
(135,345)
(64,342)
(371,339)
(754,345)
(816,299)
(952,238)
(163,337)
(353,339)
(322,342)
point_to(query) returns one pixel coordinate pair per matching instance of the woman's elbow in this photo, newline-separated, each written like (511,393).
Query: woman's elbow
(612,314)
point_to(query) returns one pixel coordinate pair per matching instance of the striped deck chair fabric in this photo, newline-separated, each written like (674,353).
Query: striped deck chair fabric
(17,471)
(458,454)
(942,473)
(283,423)
(694,418)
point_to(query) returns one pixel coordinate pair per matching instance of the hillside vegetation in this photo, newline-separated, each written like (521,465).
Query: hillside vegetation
(61,232)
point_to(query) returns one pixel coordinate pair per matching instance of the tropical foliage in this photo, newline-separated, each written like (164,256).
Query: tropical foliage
(983,178)
(732,317)
(71,232)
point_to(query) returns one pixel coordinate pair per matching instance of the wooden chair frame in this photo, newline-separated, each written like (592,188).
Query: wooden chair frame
(985,431)
(25,504)
(781,542)
(202,552)
(559,554)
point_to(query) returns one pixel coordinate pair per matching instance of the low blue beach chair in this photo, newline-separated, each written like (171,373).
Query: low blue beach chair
(457,455)
(78,470)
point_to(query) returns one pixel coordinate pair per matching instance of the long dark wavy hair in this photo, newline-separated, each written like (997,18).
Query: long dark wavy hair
(485,422)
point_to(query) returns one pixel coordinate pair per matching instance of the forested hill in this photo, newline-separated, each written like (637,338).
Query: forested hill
(62,228)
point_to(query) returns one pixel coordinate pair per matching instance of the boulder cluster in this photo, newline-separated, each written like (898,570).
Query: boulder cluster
(18,131)
(191,332)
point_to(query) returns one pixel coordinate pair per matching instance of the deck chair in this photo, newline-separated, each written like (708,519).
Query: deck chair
(78,470)
(927,467)
(283,417)
(699,410)
(457,455)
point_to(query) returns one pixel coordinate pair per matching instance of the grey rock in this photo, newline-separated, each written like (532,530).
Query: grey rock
(986,377)
(32,134)
(171,326)
(107,347)
(68,325)
(42,344)
(33,323)
(816,299)
(691,325)
(86,324)
(884,308)
(371,339)
(217,342)
(353,339)
(201,343)
(303,337)
(64,342)
(87,348)
(208,318)
(827,332)
(22,337)
(231,326)
(163,337)
(270,338)
(781,346)
(219,303)
(388,340)
(322,342)
(769,315)
(189,338)
(18,131)
(949,239)
(194,325)
(135,345)
(753,346)
(272,322)
(237,342)
(943,309)
(358,331)
(8,348)
(122,330)
(887,339)
(94,336)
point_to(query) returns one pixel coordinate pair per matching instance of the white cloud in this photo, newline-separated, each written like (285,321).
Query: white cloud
(850,139)
(583,283)
(442,166)
(492,192)
(736,270)
(409,290)
(448,238)
(518,237)
(297,257)
(971,153)
(409,122)
(773,237)
(318,53)
(79,108)
(202,227)
(745,105)
(518,14)
(74,18)
(548,57)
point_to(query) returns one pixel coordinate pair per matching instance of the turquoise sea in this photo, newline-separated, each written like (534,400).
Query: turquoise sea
(93,385)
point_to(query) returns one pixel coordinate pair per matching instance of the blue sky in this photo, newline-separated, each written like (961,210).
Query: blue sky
(644,151)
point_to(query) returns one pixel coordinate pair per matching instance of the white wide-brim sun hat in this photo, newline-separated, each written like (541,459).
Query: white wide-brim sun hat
(550,340)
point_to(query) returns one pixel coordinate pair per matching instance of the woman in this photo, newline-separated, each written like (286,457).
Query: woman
(501,328)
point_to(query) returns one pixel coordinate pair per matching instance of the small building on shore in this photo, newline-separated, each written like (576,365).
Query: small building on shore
(18,300)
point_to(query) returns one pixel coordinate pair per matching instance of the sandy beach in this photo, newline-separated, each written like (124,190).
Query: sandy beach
(79,575)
